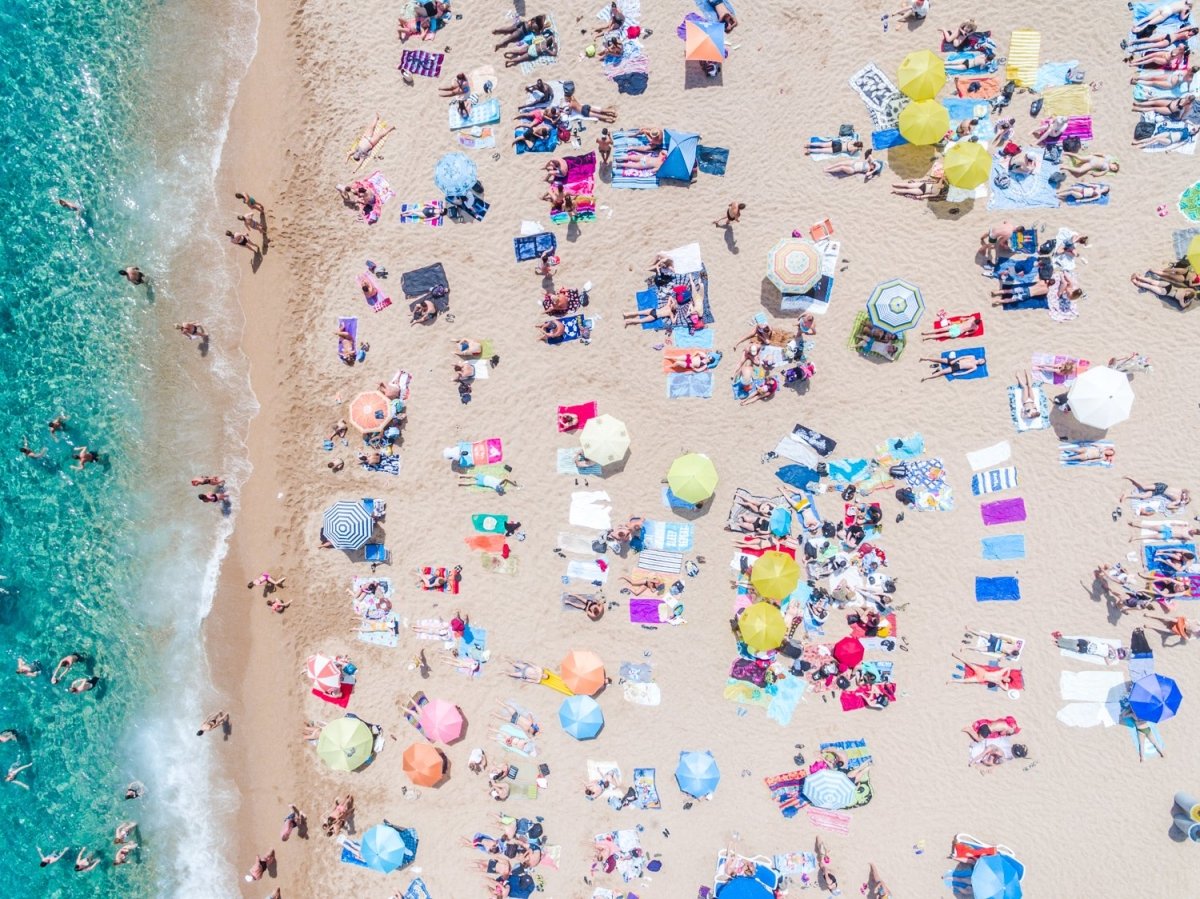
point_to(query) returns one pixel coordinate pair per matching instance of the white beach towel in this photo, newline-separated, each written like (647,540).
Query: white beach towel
(990,456)
(686,258)
(576,543)
(591,509)
(1092,686)
(657,560)
(797,451)
(642,694)
(1089,714)
(586,571)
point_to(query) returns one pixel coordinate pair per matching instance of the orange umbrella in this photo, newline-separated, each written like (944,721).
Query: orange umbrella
(424,764)
(583,672)
(369,411)
(704,42)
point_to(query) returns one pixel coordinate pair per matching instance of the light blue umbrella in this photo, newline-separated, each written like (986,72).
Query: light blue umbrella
(895,306)
(347,524)
(386,847)
(997,877)
(828,788)
(455,174)
(697,773)
(581,717)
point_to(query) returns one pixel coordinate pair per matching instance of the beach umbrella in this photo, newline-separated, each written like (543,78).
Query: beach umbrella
(996,877)
(762,627)
(604,439)
(455,174)
(692,478)
(774,575)
(697,773)
(704,41)
(1193,253)
(324,673)
(744,887)
(581,717)
(369,411)
(423,764)
(386,848)
(829,788)
(681,156)
(345,744)
(1155,698)
(967,164)
(347,524)
(848,652)
(924,122)
(921,75)
(794,265)
(583,672)
(1101,397)
(895,306)
(441,721)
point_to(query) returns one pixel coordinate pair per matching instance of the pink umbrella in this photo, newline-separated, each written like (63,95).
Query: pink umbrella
(324,672)
(849,652)
(441,721)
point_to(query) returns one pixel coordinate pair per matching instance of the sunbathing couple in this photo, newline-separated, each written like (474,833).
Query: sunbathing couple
(643,158)
(425,20)
(1167,285)
(678,302)
(1063,284)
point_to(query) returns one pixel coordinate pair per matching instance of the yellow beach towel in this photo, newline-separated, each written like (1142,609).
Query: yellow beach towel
(1068,99)
(1024,55)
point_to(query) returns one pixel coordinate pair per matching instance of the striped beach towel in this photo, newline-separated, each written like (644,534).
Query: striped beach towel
(660,560)
(422,62)
(1024,55)
(836,822)
(630,178)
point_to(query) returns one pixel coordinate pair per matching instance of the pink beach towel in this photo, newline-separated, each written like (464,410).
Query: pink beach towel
(585,412)
(380,302)
(1003,511)
(644,611)
(837,822)
(1079,126)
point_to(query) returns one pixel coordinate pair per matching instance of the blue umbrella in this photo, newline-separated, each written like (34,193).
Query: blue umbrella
(997,877)
(744,888)
(386,847)
(1155,698)
(347,524)
(455,174)
(681,156)
(581,717)
(829,788)
(697,773)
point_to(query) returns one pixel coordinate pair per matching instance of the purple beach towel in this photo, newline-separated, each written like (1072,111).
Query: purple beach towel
(1003,511)
(644,611)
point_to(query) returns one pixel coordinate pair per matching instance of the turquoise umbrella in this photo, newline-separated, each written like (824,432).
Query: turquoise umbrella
(386,847)
(455,174)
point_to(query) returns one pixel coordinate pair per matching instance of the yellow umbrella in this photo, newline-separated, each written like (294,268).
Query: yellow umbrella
(921,75)
(345,744)
(967,164)
(762,627)
(692,478)
(1193,254)
(924,122)
(774,575)
(604,439)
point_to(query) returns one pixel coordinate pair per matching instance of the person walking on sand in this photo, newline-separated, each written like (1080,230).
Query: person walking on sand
(133,275)
(242,239)
(732,214)
(604,146)
(294,821)
(262,864)
(192,330)
(253,223)
(249,200)
(47,860)
(213,721)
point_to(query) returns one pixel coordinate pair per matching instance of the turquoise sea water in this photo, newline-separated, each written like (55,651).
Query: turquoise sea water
(109,103)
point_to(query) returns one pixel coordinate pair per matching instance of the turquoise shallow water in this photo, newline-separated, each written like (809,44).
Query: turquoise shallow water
(101,106)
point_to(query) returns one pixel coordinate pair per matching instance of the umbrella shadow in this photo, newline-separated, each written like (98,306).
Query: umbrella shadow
(909,161)
(948,211)
(1068,428)
(696,78)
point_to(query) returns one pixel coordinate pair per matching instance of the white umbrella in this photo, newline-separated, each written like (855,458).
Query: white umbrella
(1101,397)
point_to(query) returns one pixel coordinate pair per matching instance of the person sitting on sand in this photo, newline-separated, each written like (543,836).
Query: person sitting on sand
(424,312)
(368,142)
(959,365)
(868,167)
(825,877)
(551,330)
(1181,297)
(547,265)
(959,38)
(460,88)
(463,372)
(1083,193)
(912,10)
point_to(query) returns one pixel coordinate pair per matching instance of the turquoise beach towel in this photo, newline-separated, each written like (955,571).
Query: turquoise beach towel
(979,372)
(1010,546)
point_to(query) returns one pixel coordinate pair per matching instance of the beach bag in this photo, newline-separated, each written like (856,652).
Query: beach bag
(1143,130)
(1053,155)
(1072,144)
(846,131)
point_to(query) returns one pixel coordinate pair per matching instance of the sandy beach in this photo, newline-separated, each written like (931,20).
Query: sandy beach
(1081,813)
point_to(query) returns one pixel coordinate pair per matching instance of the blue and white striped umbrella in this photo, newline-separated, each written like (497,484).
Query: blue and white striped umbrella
(828,788)
(895,306)
(347,524)
(455,174)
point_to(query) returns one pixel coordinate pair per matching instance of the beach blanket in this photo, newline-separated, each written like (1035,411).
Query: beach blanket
(623,177)
(882,98)
(383,191)
(489,524)
(632,61)
(347,688)
(1023,191)
(1053,74)
(421,281)
(788,691)
(698,385)
(389,464)
(989,66)
(669,536)
(834,822)
(645,790)
(532,246)
(642,694)
(1150,555)
(421,62)
(997,589)
(978,87)
(593,571)
(574,328)
(486,112)
(1016,414)
(1010,546)
(1068,100)
(990,456)
(545,144)
(1003,511)
(1024,56)
(994,480)
(712,160)
(416,212)
(980,371)
(591,509)
(584,411)
(1094,463)
(349,325)
(484,140)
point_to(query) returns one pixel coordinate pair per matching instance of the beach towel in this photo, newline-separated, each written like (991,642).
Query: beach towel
(581,544)
(417,890)
(979,372)
(584,411)
(1023,191)
(671,501)
(340,701)
(1003,511)
(545,144)
(383,192)
(622,177)
(698,385)
(1150,555)
(532,246)
(645,789)
(486,112)
(423,280)
(1044,365)
(565,463)
(985,86)
(882,98)
(411,213)
(388,463)
(994,480)
(834,822)
(990,456)
(669,536)
(591,509)
(788,691)
(712,160)
(1068,100)
(1010,546)
(648,611)
(492,543)
(1052,74)
(421,62)
(1095,463)
(642,694)
(660,561)
(349,325)
(997,589)
(1024,55)
(1092,686)
(453,580)
(489,524)
(574,328)
(1016,414)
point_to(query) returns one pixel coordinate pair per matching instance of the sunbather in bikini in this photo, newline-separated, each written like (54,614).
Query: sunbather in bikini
(1089,453)
(1143,731)
(593,608)
(1169,139)
(997,675)
(1177,108)
(1029,404)
(512,741)
(1182,297)
(986,728)
(643,162)
(1161,41)
(1175,57)
(367,143)
(1181,8)
(868,167)
(460,88)
(959,365)
(1165,79)
(1095,164)
(919,188)
(525,671)
(971,59)
(520,28)
(644,585)
(696,362)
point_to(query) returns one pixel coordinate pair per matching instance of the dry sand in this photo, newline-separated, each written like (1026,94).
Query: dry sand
(1087,818)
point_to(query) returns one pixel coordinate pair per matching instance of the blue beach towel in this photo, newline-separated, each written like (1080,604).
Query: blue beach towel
(541,145)
(1150,550)
(978,353)
(985,69)
(787,695)
(572,329)
(712,160)
(1052,74)
(997,589)
(886,138)
(531,246)
(647,300)
(697,340)
(848,471)
(1010,546)
(1024,191)
(671,501)
(417,890)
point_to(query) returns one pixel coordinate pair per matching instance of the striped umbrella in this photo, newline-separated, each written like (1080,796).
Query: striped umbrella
(794,265)
(347,524)
(324,672)
(828,788)
(895,306)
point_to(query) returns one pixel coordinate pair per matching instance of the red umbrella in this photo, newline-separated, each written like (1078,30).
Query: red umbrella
(849,652)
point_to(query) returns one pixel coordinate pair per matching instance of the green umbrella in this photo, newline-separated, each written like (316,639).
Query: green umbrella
(345,744)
